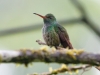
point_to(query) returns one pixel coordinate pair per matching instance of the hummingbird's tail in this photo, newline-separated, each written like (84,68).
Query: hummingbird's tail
(65,42)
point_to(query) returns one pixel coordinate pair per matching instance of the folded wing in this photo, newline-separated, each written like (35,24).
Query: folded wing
(63,36)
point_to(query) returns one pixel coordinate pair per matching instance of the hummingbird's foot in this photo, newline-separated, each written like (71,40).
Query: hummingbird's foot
(40,42)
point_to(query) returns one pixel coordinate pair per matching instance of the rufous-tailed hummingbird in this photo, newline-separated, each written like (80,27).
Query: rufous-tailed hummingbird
(53,33)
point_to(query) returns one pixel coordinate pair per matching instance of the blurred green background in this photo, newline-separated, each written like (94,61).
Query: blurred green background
(19,14)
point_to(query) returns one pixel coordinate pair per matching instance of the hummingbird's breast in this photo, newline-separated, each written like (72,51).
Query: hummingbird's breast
(50,36)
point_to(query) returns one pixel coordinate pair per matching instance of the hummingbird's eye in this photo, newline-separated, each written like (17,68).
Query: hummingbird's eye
(49,17)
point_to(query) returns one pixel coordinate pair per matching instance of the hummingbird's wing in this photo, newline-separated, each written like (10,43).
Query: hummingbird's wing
(63,36)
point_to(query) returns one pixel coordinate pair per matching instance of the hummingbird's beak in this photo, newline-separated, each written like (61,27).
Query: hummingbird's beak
(39,15)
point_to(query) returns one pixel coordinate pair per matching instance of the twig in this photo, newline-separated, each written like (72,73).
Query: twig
(40,42)
(63,69)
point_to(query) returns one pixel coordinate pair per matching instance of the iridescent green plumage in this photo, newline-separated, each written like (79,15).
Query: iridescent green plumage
(53,33)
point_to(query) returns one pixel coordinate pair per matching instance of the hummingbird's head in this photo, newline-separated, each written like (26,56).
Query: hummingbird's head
(48,18)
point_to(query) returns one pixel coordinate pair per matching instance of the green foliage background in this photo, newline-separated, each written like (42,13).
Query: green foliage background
(19,13)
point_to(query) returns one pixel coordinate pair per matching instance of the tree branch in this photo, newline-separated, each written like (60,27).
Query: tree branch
(63,69)
(26,56)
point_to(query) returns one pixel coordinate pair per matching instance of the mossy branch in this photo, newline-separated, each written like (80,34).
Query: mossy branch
(26,56)
(65,68)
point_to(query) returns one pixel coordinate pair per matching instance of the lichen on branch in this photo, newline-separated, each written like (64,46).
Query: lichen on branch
(26,56)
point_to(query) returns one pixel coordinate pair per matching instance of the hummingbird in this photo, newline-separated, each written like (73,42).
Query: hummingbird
(53,33)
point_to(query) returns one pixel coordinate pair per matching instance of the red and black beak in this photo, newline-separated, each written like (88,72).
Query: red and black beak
(39,15)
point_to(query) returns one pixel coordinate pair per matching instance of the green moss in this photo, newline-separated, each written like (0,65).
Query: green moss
(0,58)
